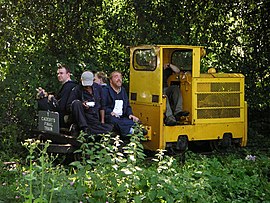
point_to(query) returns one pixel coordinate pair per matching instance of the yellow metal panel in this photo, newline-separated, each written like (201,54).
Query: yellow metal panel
(145,90)
(196,62)
(218,100)
(222,75)
(150,115)
(146,83)
(203,131)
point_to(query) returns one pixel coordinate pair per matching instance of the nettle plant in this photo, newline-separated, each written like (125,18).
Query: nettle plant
(40,179)
(110,169)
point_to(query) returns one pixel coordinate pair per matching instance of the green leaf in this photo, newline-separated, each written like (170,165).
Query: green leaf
(152,195)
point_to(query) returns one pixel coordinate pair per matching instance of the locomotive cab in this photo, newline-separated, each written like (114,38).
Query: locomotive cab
(215,101)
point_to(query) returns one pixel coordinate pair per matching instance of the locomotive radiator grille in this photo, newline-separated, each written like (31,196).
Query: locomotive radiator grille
(218,100)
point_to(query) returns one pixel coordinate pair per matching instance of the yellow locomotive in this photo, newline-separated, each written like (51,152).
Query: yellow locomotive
(215,101)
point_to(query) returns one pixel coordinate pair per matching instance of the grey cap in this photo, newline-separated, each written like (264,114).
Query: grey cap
(87,78)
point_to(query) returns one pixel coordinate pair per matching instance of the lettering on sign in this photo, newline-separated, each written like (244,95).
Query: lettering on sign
(49,121)
(47,128)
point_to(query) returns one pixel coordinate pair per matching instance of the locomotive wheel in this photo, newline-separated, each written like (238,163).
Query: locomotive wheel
(222,145)
(182,143)
(215,145)
(172,151)
(179,148)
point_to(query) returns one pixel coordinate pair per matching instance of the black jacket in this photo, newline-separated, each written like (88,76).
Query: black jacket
(59,102)
(63,95)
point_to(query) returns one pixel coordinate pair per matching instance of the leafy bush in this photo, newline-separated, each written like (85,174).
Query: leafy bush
(8,181)
(10,142)
(114,171)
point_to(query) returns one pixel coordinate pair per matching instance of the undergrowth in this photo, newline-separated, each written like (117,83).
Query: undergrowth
(113,171)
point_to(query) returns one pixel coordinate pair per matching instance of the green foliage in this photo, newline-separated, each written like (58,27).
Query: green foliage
(111,171)
(9,174)
(10,143)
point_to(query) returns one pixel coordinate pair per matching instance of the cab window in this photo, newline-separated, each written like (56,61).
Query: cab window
(182,59)
(144,59)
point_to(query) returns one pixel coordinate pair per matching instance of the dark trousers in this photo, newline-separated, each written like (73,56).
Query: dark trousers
(174,101)
(85,119)
(122,125)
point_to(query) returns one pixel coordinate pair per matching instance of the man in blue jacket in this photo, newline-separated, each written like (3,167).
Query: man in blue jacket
(118,110)
(86,103)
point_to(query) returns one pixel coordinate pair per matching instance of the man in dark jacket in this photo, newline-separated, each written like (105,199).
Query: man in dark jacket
(118,109)
(86,103)
(58,102)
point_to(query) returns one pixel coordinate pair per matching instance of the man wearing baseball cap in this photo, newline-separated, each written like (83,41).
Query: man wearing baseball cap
(87,78)
(86,103)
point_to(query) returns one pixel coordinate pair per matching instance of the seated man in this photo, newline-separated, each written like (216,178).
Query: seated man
(118,109)
(57,102)
(174,110)
(86,103)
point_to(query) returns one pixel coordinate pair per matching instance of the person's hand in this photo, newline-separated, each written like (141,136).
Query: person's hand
(50,97)
(41,93)
(85,105)
(115,114)
(134,118)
